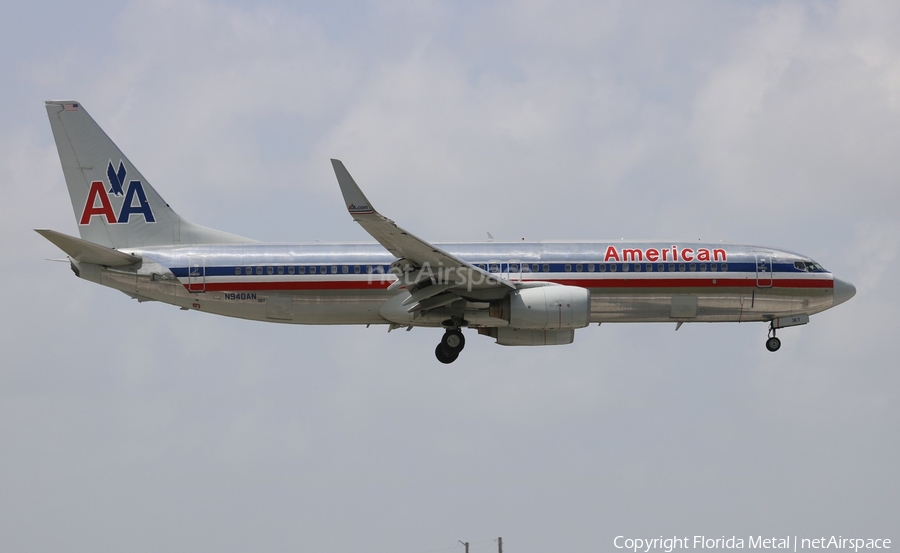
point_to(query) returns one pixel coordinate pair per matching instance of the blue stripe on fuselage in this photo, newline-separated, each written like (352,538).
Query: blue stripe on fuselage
(348,269)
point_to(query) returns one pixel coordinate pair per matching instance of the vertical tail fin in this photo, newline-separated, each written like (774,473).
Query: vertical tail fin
(114,204)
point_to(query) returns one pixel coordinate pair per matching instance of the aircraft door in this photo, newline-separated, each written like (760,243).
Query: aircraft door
(197,274)
(763,269)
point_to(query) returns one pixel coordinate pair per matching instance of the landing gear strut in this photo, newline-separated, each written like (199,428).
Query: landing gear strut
(451,344)
(773,343)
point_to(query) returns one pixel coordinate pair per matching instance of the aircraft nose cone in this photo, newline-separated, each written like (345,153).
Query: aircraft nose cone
(843,291)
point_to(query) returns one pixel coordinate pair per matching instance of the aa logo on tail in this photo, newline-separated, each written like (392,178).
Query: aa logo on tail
(98,202)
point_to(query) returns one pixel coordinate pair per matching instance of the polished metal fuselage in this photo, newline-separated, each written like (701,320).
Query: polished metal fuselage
(347,283)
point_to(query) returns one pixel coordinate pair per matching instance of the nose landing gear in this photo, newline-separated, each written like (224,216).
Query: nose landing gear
(452,343)
(773,343)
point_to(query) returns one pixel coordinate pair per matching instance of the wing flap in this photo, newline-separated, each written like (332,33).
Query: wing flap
(427,292)
(434,302)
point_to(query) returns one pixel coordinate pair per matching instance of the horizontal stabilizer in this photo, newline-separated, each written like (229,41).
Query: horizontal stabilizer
(88,252)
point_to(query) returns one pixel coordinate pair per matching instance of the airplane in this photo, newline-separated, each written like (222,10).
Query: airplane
(526,293)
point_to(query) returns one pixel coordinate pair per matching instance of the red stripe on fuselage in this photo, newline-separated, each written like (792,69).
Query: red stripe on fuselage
(288,285)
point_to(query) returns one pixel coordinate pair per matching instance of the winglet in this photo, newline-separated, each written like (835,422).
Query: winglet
(357,203)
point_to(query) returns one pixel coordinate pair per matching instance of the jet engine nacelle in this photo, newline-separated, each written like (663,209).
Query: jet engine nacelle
(550,307)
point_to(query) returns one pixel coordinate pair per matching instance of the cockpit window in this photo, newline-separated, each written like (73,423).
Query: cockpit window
(808,266)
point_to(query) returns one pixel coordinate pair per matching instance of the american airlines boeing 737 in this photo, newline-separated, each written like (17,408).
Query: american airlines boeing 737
(519,293)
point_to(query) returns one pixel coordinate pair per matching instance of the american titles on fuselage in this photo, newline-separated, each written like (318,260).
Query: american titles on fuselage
(665,254)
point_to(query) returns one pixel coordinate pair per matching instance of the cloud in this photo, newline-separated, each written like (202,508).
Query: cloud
(797,120)
(161,429)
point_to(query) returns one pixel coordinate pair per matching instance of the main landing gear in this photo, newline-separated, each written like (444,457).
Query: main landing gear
(451,344)
(773,343)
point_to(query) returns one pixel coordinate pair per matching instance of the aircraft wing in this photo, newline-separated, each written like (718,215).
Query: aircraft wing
(88,252)
(418,254)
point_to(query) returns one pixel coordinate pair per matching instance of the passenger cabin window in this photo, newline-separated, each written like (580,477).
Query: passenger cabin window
(724,266)
(613,267)
(713,267)
(590,267)
(671,267)
(681,267)
(280,270)
(334,269)
(259,270)
(345,269)
(693,267)
(568,267)
(603,267)
(637,267)
(269,270)
(248,270)
(546,268)
(649,267)
(291,270)
(312,270)
(626,267)
(237,270)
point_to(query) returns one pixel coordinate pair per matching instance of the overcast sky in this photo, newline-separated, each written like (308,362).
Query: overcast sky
(139,427)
